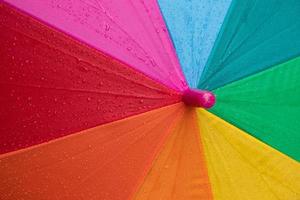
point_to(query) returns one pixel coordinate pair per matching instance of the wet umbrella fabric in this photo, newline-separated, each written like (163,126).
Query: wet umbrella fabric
(92,106)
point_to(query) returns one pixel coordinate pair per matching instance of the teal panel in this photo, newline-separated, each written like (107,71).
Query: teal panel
(266,105)
(255,35)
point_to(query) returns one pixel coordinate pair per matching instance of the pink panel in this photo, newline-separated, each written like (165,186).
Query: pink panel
(130,30)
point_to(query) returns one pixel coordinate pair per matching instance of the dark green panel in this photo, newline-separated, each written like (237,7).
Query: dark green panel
(266,105)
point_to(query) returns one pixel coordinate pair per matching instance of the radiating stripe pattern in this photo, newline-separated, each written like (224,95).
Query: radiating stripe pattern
(194,26)
(242,167)
(179,171)
(255,35)
(266,105)
(104,162)
(52,85)
(144,43)
(90,95)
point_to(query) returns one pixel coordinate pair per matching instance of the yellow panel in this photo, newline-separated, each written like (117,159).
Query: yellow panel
(179,171)
(241,167)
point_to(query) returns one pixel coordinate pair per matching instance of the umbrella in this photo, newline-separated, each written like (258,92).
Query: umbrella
(183,99)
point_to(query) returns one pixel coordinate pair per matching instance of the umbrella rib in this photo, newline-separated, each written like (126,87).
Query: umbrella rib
(86,149)
(159,71)
(94,66)
(133,142)
(80,90)
(208,140)
(166,63)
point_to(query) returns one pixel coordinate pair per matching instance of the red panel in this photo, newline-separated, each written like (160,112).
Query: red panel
(107,162)
(52,85)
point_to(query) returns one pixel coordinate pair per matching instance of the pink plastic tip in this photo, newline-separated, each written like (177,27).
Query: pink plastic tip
(199,98)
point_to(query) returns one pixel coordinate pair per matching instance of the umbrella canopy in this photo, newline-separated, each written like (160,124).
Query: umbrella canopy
(149,100)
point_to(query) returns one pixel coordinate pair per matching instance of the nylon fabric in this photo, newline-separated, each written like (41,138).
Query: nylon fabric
(143,44)
(104,162)
(266,105)
(193,26)
(52,85)
(241,167)
(179,171)
(255,35)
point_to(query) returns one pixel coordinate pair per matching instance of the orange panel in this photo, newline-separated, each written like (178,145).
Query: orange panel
(106,162)
(180,170)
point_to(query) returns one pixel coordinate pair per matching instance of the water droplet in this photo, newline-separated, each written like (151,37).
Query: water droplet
(89,98)
(107,27)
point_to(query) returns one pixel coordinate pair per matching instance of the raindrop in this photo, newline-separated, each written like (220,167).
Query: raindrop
(89,98)
(107,27)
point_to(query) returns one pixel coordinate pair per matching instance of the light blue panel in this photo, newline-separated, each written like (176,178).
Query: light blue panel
(193,25)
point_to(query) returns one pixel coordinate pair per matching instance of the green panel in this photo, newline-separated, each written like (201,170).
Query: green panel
(256,34)
(266,105)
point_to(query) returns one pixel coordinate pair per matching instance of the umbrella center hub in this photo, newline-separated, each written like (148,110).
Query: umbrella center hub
(199,98)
